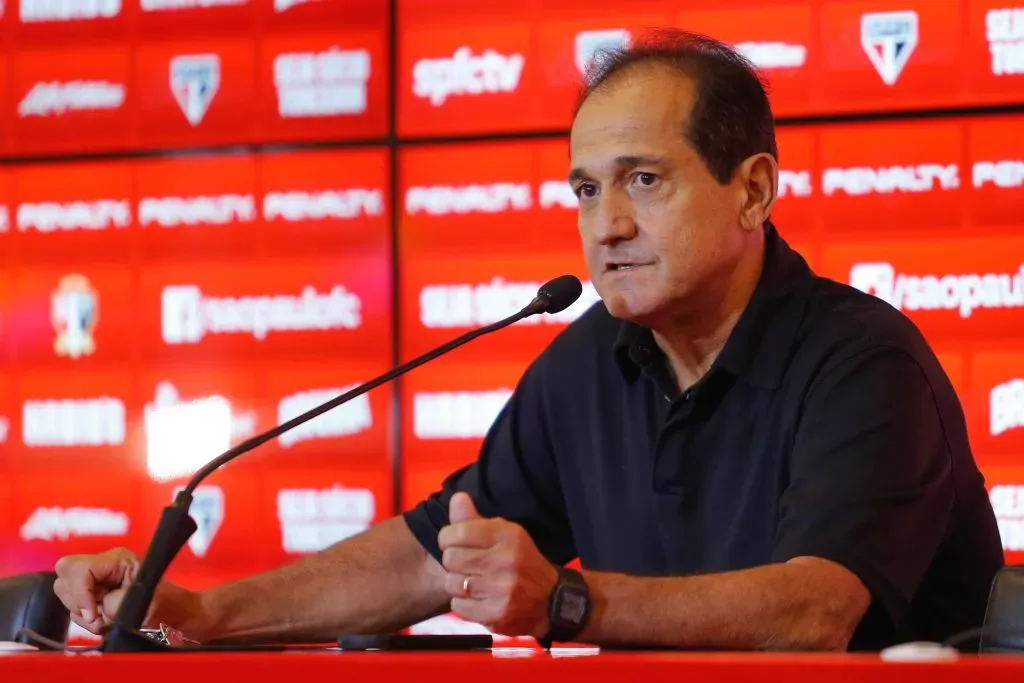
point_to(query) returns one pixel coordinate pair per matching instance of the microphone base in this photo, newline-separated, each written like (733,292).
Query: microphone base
(120,639)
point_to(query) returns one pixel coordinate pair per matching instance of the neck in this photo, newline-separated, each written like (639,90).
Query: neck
(692,341)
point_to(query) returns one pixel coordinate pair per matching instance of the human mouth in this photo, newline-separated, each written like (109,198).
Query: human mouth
(619,267)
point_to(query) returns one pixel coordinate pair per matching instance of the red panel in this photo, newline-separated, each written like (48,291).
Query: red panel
(1006,491)
(884,55)
(10,562)
(71,100)
(324,85)
(77,421)
(797,209)
(74,21)
(314,201)
(777,38)
(996,148)
(308,510)
(198,206)
(889,178)
(959,289)
(288,15)
(421,480)
(5,97)
(196,93)
(7,409)
(995,50)
(74,318)
(956,369)
(7,317)
(67,211)
(160,19)
(996,407)
(337,307)
(7,240)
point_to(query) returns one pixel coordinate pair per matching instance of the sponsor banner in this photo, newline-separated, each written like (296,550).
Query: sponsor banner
(311,201)
(55,515)
(288,15)
(308,510)
(443,298)
(66,22)
(885,55)
(1006,492)
(190,205)
(323,85)
(231,531)
(62,211)
(996,407)
(996,172)
(953,289)
(77,424)
(468,79)
(354,432)
(776,38)
(5,96)
(189,417)
(71,101)
(196,92)
(337,307)
(73,318)
(995,49)
(160,19)
(893,177)
(797,208)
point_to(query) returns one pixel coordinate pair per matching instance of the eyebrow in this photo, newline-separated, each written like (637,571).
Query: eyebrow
(620,162)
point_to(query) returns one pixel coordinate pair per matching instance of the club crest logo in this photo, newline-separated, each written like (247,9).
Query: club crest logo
(207,510)
(195,80)
(74,310)
(889,38)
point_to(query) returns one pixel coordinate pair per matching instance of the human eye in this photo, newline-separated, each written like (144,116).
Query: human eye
(645,179)
(585,190)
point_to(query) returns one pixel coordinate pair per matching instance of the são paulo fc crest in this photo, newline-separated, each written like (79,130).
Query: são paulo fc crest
(195,80)
(889,38)
(74,309)
(207,510)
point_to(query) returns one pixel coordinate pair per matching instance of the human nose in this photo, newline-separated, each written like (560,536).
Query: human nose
(612,220)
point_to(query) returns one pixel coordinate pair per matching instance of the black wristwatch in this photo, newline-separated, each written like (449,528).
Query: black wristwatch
(568,608)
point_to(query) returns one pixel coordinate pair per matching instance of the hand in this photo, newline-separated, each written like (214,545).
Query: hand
(510,582)
(92,587)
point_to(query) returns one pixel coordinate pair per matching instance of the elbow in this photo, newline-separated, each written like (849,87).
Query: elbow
(829,625)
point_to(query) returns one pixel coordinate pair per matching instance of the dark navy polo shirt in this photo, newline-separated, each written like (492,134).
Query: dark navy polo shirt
(825,427)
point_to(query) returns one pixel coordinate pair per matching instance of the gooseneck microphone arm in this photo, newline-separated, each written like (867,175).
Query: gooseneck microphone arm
(176,525)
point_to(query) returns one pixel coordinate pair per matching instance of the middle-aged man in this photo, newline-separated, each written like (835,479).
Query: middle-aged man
(742,454)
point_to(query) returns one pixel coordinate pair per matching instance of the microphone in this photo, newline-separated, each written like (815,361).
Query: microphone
(176,525)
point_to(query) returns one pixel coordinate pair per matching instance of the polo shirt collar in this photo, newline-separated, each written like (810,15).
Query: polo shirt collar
(761,343)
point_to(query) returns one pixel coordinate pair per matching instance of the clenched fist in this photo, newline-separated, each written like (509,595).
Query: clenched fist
(496,576)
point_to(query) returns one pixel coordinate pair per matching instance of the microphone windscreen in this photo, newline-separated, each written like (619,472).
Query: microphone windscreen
(561,292)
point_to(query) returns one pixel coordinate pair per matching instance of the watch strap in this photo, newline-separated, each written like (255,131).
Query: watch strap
(566,596)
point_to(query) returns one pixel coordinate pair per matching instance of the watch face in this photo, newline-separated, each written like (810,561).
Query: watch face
(572,605)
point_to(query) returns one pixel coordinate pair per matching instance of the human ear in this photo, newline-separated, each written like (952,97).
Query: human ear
(759,175)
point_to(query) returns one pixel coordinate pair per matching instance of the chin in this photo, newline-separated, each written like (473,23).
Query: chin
(630,306)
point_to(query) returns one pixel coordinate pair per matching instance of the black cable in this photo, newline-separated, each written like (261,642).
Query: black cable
(990,634)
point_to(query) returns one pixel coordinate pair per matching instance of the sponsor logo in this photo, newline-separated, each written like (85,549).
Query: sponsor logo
(963,293)
(1004,30)
(328,83)
(285,5)
(224,209)
(5,429)
(456,414)
(862,180)
(441,200)
(96,214)
(1004,174)
(73,422)
(5,219)
(339,204)
(60,524)
(1008,503)
(162,5)
(194,81)
(466,305)
(74,309)
(313,519)
(1006,407)
(347,419)
(557,194)
(466,74)
(182,436)
(590,43)
(888,39)
(795,183)
(31,11)
(187,315)
(46,99)
(773,55)
(207,510)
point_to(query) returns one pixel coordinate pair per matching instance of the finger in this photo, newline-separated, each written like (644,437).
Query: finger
(79,600)
(477,588)
(482,612)
(462,560)
(461,508)
(475,533)
(94,626)
(110,604)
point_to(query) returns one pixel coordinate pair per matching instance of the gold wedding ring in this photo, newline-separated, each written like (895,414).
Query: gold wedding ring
(465,587)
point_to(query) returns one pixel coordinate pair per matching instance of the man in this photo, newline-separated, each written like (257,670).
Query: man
(742,455)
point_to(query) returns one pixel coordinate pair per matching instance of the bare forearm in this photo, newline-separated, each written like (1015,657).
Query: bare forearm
(781,606)
(377,581)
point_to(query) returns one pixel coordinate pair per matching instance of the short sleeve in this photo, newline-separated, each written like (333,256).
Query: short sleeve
(871,483)
(514,477)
